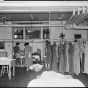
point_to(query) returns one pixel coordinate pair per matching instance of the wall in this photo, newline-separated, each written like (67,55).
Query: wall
(6,35)
(69,34)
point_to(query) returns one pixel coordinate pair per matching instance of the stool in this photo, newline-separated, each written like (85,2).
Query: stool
(5,69)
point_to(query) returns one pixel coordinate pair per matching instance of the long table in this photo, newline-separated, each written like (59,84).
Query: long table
(10,63)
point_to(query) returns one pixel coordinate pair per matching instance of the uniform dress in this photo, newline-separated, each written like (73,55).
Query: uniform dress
(86,58)
(28,58)
(61,58)
(16,50)
(83,58)
(76,59)
(71,58)
(48,54)
(67,59)
(54,57)
(65,56)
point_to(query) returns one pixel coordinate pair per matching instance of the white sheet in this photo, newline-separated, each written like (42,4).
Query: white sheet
(53,79)
(55,83)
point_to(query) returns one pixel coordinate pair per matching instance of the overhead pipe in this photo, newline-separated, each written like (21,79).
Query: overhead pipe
(73,14)
(80,27)
(30,11)
(46,25)
(73,26)
(77,15)
(82,13)
(82,16)
(83,20)
(77,18)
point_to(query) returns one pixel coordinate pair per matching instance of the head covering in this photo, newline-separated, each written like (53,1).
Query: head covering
(47,42)
(26,43)
(17,43)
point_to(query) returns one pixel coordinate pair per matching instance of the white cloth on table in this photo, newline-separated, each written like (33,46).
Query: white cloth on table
(5,59)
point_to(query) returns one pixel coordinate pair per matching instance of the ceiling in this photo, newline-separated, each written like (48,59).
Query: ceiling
(41,11)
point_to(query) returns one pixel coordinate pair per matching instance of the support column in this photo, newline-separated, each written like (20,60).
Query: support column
(87,30)
(49,27)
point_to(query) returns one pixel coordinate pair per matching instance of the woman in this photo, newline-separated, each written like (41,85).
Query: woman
(28,58)
(48,54)
(16,50)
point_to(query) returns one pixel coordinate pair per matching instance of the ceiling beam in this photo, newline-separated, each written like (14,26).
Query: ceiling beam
(44,3)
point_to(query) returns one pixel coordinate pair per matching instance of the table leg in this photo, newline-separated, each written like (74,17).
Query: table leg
(13,70)
(9,72)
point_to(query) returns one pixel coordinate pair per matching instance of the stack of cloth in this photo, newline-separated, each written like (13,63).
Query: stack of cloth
(36,67)
(53,79)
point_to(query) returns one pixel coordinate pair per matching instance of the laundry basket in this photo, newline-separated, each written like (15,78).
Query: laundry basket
(38,68)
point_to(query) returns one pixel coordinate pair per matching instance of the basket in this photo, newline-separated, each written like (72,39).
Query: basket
(37,69)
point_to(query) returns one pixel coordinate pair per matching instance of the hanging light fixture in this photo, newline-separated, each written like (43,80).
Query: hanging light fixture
(2,19)
(62,35)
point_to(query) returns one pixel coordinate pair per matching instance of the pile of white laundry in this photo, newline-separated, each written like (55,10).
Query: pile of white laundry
(36,67)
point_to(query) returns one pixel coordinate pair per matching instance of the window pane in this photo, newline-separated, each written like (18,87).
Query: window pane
(2,45)
(18,33)
(33,33)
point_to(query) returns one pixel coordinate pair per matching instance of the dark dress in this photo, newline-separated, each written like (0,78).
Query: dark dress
(54,57)
(71,58)
(48,54)
(61,58)
(83,59)
(65,57)
(16,49)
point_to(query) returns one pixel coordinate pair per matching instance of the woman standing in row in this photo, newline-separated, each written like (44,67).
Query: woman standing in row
(28,58)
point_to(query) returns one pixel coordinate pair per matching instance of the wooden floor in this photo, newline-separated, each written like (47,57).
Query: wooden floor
(22,78)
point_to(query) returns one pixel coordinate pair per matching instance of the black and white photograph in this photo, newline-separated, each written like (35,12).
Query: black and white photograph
(43,43)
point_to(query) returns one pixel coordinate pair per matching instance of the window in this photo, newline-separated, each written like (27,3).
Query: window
(77,36)
(33,33)
(2,45)
(18,33)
